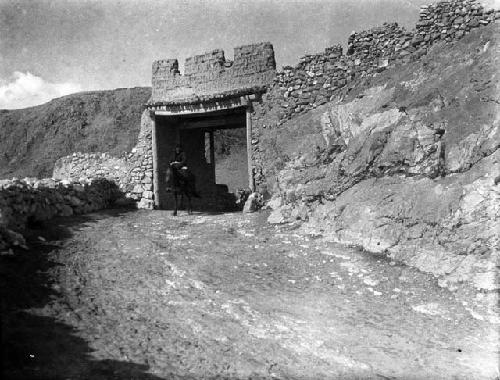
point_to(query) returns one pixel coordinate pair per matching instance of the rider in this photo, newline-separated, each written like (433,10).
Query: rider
(180,171)
(178,162)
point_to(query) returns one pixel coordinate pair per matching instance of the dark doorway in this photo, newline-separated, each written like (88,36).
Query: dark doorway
(208,139)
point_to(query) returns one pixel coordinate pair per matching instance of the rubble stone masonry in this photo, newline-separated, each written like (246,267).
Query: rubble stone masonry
(320,78)
(132,172)
(28,201)
(315,80)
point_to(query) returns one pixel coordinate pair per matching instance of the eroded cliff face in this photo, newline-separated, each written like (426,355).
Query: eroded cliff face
(407,163)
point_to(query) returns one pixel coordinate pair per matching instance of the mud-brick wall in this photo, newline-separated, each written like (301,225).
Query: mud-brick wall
(210,73)
(132,172)
(319,78)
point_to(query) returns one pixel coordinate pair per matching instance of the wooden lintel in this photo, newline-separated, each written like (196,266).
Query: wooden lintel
(215,128)
(215,122)
(203,107)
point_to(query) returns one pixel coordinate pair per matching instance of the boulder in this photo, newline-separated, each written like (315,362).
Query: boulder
(253,203)
(145,204)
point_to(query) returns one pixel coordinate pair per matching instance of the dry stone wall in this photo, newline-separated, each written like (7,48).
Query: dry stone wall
(320,78)
(81,183)
(132,172)
(315,80)
(208,74)
(30,200)
(405,165)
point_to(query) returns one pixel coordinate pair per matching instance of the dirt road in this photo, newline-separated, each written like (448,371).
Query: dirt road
(143,295)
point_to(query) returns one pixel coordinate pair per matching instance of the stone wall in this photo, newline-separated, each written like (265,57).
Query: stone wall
(211,73)
(320,78)
(132,172)
(253,66)
(23,202)
(315,80)
(406,164)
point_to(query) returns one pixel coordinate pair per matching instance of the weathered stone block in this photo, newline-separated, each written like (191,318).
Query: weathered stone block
(145,204)
(138,189)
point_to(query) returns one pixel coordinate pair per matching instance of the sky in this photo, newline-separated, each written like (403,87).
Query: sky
(49,48)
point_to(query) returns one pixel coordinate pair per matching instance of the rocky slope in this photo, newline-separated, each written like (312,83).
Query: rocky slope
(406,163)
(32,139)
(231,158)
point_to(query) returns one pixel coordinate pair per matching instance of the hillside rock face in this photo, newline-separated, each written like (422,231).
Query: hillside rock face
(407,164)
(32,139)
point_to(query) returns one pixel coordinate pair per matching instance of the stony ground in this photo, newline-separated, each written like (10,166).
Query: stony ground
(143,295)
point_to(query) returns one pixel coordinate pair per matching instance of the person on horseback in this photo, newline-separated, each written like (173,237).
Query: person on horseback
(178,161)
(179,179)
(179,165)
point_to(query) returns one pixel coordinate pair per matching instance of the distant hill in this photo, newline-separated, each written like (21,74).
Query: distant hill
(32,139)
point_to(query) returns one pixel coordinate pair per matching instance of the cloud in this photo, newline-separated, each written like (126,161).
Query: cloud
(26,90)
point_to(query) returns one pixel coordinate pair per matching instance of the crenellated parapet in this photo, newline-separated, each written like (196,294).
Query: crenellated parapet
(210,73)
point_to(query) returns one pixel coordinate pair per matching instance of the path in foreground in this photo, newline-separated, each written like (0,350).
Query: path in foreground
(228,296)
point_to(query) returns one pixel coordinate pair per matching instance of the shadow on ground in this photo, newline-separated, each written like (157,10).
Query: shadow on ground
(38,347)
(34,346)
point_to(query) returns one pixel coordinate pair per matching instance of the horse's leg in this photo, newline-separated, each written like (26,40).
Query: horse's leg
(190,206)
(182,200)
(175,204)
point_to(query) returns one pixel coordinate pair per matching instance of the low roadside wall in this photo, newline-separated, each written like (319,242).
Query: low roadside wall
(23,202)
(132,171)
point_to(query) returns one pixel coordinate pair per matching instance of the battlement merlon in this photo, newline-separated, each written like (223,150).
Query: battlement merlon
(254,58)
(165,68)
(248,58)
(210,73)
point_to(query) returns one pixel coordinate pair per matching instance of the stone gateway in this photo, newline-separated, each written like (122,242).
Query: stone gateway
(215,93)
(212,94)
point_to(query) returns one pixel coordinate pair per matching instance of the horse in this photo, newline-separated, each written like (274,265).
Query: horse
(183,185)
